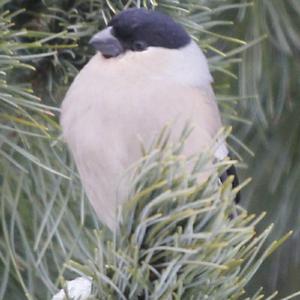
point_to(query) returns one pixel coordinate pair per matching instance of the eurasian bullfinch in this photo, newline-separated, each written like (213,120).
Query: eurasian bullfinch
(147,72)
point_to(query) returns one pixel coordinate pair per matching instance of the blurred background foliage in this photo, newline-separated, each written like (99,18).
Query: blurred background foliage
(253,49)
(270,72)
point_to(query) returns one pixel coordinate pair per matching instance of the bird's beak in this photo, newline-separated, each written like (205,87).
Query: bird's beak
(105,42)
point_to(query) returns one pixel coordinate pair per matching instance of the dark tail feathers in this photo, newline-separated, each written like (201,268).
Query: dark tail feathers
(232,171)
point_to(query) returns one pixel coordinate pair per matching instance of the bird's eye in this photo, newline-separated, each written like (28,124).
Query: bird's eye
(139,45)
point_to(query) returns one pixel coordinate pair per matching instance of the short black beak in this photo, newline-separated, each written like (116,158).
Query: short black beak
(106,43)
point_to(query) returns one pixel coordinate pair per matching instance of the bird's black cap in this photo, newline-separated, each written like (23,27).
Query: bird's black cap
(138,28)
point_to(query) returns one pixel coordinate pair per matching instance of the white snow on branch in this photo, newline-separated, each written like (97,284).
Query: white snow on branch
(77,289)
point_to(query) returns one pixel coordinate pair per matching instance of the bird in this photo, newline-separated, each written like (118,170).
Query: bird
(147,72)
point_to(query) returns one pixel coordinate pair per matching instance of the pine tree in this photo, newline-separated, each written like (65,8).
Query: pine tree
(49,233)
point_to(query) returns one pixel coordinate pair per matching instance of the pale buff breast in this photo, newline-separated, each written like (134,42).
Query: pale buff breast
(113,103)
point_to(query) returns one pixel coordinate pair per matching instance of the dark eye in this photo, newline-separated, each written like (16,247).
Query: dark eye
(139,46)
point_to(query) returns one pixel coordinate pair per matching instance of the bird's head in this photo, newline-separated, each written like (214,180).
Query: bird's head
(138,29)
